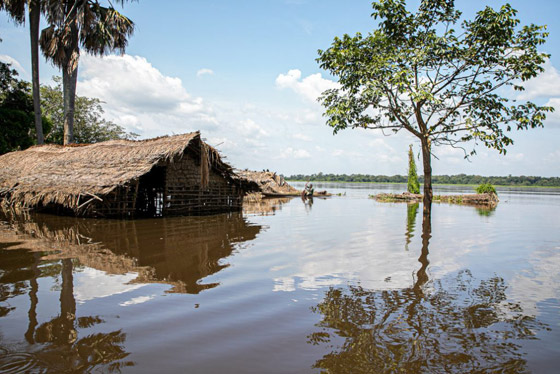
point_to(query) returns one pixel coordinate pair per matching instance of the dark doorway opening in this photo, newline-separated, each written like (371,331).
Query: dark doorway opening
(151,189)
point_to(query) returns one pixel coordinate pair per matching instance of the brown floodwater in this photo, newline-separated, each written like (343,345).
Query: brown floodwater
(338,285)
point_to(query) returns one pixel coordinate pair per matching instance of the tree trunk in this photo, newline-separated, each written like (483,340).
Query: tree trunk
(66,330)
(34,19)
(427,163)
(70,75)
(69,81)
(34,300)
(422,274)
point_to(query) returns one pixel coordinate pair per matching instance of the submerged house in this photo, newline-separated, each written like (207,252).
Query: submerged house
(172,175)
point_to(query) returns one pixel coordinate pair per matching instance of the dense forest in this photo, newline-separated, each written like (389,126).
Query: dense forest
(438,179)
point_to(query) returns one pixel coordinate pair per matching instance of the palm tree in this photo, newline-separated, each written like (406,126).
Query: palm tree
(76,24)
(16,10)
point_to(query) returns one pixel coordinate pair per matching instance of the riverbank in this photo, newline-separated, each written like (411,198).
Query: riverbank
(486,199)
(433,184)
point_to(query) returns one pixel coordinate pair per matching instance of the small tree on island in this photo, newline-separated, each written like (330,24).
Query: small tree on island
(445,86)
(413,184)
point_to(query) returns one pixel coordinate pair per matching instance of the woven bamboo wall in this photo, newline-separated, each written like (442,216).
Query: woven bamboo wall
(184,195)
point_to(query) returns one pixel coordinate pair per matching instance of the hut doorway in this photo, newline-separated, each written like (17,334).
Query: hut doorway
(151,190)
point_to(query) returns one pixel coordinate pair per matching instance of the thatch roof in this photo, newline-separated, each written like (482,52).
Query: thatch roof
(268,182)
(55,174)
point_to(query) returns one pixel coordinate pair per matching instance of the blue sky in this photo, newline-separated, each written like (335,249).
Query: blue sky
(244,73)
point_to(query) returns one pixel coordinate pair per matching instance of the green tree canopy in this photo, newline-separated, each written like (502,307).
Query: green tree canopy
(76,25)
(89,125)
(16,11)
(442,79)
(16,111)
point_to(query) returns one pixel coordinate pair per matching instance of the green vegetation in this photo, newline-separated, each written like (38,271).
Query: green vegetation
(75,26)
(17,130)
(72,26)
(449,199)
(413,184)
(460,179)
(89,125)
(436,76)
(16,11)
(486,188)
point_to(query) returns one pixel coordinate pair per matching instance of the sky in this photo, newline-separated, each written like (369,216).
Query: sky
(245,74)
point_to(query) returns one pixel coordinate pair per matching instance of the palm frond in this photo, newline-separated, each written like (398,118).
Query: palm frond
(15,9)
(108,32)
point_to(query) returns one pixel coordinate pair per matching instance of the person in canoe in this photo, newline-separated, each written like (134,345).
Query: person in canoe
(308,190)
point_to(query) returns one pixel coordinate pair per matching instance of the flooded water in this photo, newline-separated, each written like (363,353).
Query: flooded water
(343,285)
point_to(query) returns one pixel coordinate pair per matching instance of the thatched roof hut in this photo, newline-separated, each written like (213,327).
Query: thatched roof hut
(267,183)
(171,175)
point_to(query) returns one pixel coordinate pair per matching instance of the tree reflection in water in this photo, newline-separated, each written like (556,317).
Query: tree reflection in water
(179,251)
(485,211)
(454,325)
(411,213)
(62,349)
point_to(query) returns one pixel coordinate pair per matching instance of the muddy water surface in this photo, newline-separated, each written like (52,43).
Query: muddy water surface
(340,285)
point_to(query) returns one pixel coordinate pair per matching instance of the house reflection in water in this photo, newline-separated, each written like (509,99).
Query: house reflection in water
(43,252)
(180,251)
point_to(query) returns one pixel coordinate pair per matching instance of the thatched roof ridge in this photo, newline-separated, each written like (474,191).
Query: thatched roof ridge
(267,182)
(56,174)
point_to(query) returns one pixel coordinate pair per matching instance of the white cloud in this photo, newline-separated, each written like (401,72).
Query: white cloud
(299,136)
(553,156)
(305,116)
(380,144)
(298,154)
(141,98)
(546,84)
(553,118)
(14,65)
(250,128)
(309,87)
(204,71)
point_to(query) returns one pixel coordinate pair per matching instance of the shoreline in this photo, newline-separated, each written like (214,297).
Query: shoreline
(433,184)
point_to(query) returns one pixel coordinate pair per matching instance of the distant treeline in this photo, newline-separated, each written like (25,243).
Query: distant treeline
(436,179)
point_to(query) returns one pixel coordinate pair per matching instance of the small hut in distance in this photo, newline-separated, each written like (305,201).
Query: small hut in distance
(171,175)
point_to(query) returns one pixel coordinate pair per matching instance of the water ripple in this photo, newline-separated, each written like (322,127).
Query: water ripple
(19,362)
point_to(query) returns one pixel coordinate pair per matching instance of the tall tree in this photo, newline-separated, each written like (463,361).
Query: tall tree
(89,124)
(16,10)
(76,24)
(34,19)
(441,79)
(413,184)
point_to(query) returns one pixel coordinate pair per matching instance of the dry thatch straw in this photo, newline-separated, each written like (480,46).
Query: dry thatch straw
(52,174)
(268,182)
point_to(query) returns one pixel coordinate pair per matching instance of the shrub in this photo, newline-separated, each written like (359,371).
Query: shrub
(413,184)
(486,188)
